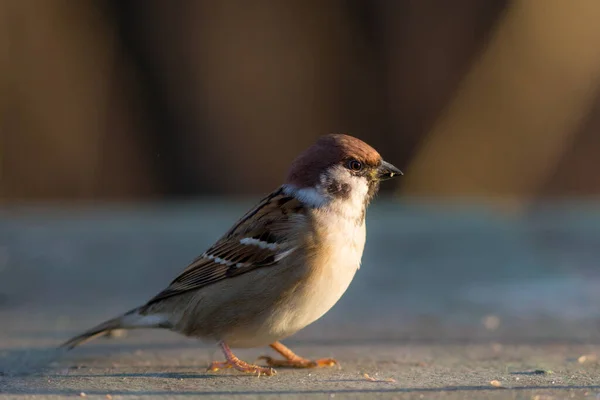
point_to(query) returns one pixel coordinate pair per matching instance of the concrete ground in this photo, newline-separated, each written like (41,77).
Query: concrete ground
(449,303)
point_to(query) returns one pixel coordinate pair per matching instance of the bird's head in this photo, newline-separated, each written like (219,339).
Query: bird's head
(339,168)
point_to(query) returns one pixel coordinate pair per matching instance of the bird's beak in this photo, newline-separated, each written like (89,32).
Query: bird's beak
(387,171)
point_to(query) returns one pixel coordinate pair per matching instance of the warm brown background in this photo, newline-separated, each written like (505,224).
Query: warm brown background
(151,99)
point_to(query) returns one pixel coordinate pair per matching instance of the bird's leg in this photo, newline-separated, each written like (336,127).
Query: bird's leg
(233,362)
(292,360)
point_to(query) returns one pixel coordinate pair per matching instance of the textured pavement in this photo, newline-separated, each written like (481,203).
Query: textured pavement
(449,303)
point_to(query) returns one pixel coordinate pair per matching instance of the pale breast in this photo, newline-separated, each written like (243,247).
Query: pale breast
(345,251)
(341,246)
(275,302)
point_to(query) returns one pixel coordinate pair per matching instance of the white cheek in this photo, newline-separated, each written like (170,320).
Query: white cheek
(353,206)
(360,189)
(309,196)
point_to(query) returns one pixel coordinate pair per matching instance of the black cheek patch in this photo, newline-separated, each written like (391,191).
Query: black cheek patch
(337,189)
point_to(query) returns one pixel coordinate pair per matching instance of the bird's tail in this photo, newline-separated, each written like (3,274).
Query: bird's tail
(130,320)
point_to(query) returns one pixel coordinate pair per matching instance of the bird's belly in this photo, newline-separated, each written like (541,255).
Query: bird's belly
(311,299)
(310,308)
(296,296)
(321,294)
(305,306)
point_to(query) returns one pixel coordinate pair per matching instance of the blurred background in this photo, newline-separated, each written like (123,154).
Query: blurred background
(166,116)
(148,100)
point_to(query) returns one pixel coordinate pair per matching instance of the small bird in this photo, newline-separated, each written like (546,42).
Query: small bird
(281,267)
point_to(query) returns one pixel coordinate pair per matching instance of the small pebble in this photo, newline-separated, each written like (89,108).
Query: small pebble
(116,333)
(371,379)
(491,322)
(587,358)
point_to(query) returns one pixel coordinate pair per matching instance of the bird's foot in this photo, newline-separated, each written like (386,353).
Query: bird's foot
(233,362)
(299,362)
(241,366)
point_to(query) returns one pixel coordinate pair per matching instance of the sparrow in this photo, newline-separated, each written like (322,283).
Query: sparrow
(281,267)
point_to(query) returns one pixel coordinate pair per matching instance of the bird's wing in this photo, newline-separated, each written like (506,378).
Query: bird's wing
(263,236)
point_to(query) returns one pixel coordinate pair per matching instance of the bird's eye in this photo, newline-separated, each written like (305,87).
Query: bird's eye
(354,165)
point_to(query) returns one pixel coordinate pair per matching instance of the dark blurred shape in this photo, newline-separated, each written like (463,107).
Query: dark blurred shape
(135,99)
(70,121)
(519,108)
(534,372)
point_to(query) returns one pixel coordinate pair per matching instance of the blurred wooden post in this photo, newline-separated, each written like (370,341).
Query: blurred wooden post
(263,79)
(519,106)
(65,131)
(4,85)
(429,46)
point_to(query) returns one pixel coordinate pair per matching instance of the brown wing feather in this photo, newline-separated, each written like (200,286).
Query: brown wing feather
(269,222)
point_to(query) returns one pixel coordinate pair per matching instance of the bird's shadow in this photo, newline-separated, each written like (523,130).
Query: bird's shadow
(27,361)
(43,362)
(364,391)
(161,375)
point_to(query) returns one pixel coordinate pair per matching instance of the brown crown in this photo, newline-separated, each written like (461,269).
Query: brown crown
(327,151)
